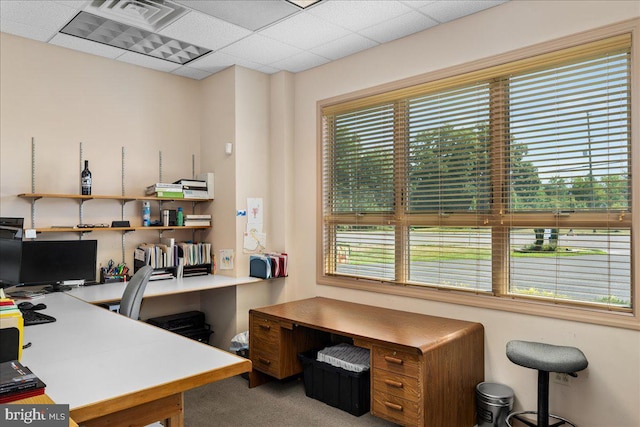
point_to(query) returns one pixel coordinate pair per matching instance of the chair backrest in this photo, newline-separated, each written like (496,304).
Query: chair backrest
(132,296)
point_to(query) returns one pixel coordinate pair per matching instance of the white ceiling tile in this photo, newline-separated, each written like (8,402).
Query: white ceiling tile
(267,69)
(448,10)
(86,46)
(260,49)
(344,46)
(417,4)
(401,26)
(76,4)
(250,14)
(218,61)
(204,31)
(300,62)
(356,15)
(148,62)
(26,31)
(213,62)
(45,15)
(263,35)
(191,73)
(304,31)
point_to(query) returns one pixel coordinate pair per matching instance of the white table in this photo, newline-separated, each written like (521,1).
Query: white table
(113,291)
(111,369)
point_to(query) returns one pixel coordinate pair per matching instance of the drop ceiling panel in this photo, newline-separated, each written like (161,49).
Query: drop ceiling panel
(205,31)
(304,31)
(358,14)
(249,14)
(260,49)
(86,46)
(148,62)
(448,10)
(40,15)
(300,62)
(398,27)
(344,46)
(191,73)
(264,35)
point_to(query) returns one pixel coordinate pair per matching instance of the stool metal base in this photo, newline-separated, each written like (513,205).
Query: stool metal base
(517,416)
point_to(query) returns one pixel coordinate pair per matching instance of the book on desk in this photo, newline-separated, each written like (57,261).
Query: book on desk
(18,382)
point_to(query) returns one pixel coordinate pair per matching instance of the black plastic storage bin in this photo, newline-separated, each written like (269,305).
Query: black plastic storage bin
(346,390)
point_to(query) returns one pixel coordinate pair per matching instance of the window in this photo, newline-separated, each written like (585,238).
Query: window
(512,182)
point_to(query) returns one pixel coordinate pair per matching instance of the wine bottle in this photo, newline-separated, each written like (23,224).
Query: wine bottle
(85,179)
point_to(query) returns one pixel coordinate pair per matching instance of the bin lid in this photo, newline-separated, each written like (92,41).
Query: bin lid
(494,390)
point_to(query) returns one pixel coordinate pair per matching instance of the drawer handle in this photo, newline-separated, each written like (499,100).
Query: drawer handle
(393,383)
(393,406)
(264,361)
(265,327)
(394,360)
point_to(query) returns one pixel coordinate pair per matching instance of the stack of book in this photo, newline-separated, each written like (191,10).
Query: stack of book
(193,188)
(170,259)
(18,382)
(165,190)
(195,220)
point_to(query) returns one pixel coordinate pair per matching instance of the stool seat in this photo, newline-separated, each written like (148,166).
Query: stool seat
(546,357)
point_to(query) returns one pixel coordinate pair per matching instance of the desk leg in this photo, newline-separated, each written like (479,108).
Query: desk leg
(257,378)
(167,409)
(177,419)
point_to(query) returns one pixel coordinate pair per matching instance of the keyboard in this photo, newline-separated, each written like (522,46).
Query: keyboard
(36,318)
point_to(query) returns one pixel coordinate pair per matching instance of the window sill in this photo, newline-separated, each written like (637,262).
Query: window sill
(532,307)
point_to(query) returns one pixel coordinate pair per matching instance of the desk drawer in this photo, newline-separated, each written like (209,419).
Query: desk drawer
(264,345)
(396,361)
(396,384)
(264,333)
(266,362)
(395,409)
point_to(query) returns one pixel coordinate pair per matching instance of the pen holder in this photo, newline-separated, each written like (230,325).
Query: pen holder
(112,278)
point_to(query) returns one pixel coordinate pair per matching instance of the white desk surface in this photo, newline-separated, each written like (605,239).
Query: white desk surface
(113,291)
(91,356)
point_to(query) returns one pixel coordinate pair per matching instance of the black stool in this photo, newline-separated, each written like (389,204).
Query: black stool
(545,358)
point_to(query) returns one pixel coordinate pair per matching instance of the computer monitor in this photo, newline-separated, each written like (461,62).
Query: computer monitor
(51,262)
(10,251)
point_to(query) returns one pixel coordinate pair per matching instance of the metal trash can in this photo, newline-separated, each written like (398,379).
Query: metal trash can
(493,404)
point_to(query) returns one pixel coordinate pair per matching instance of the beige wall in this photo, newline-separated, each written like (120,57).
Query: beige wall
(62,97)
(604,395)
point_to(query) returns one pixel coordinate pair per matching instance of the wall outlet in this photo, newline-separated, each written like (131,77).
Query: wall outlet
(560,378)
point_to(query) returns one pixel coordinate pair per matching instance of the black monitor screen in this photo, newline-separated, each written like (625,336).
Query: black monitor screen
(10,255)
(54,261)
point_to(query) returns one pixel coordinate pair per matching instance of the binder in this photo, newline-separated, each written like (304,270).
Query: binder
(260,266)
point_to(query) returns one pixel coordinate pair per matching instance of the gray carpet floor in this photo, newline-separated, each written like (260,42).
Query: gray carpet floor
(230,403)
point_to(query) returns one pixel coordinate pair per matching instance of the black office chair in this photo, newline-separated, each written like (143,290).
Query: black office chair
(132,296)
(545,358)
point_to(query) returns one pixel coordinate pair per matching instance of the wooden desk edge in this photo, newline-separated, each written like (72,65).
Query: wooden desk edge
(42,399)
(98,409)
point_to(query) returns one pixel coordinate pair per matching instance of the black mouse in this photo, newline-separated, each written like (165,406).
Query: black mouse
(29,306)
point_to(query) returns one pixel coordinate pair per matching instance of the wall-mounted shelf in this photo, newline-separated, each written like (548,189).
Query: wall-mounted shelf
(124,229)
(125,199)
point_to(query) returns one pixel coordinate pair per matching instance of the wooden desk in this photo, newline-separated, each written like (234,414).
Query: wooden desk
(111,369)
(424,369)
(42,399)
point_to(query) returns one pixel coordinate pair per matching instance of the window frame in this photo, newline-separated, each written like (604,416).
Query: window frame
(518,58)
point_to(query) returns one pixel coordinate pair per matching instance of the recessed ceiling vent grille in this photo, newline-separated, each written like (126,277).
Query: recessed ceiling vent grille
(102,30)
(151,15)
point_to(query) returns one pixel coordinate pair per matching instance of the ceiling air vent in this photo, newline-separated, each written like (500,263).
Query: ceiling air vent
(102,30)
(151,15)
